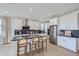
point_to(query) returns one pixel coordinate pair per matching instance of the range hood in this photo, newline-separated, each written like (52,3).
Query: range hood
(26,22)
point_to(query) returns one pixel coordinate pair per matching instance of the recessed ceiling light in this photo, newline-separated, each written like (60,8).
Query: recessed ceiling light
(5,12)
(31,9)
(49,14)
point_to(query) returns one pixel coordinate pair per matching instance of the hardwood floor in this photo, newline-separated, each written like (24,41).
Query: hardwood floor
(53,50)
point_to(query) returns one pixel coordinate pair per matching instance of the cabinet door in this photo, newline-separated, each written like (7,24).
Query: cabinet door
(71,24)
(61,41)
(68,43)
(62,23)
(71,43)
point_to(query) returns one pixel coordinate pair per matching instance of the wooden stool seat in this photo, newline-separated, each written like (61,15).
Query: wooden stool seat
(22,45)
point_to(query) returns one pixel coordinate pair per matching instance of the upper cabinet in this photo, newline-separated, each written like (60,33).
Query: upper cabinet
(62,22)
(69,21)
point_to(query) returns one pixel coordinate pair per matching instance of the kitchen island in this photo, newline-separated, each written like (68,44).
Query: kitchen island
(16,37)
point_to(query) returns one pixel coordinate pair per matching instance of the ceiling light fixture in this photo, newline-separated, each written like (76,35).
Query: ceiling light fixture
(49,14)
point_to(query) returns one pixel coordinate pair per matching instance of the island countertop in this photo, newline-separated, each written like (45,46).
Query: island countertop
(40,34)
(24,35)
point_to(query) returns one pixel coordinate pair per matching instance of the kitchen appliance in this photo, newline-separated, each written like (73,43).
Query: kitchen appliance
(53,34)
(25,28)
(17,32)
(73,33)
(67,33)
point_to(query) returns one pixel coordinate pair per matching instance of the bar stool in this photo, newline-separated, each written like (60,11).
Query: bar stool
(22,47)
(43,40)
(33,45)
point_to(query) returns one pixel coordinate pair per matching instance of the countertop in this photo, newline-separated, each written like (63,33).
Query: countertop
(68,36)
(40,34)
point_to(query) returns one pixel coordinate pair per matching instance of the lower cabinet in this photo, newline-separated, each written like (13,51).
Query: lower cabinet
(67,42)
(61,41)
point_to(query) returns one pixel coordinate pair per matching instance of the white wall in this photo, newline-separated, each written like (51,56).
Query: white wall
(6,33)
(34,24)
(16,23)
(1,35)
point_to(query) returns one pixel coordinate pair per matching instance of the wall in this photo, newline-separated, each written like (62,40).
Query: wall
(8,30)
(6,33)
(16,23)
(1,36)
(53,21)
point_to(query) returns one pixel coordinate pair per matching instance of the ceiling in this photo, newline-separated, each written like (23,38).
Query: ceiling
(39,11)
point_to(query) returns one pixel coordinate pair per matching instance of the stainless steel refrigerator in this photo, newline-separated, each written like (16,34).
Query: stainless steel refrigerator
(53,34)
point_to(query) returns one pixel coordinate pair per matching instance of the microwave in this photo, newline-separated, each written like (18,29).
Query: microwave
(67,32)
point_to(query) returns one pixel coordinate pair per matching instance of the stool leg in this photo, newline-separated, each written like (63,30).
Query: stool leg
(46,45)
(42,45)
(38,47)
(35,49)
(30,48)
(26,51)
(17,50)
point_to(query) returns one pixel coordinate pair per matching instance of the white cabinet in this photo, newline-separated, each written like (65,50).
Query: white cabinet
(68,42)
(69,21)
(62,23)
(61,41)
(71,43)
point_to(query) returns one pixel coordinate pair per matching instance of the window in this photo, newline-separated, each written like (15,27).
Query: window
(44,27)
